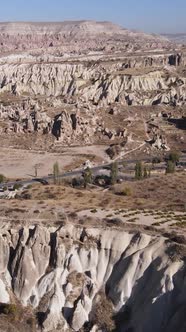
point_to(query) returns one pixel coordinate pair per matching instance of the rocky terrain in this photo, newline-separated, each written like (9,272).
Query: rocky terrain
(68,92)
(72,92)
(88,35)
(64,273)
(98,84)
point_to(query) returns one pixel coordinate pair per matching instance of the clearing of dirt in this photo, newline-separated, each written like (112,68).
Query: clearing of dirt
(18,163)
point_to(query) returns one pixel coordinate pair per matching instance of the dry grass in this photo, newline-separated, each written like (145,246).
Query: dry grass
(49,204)
(166,192)
(15,318)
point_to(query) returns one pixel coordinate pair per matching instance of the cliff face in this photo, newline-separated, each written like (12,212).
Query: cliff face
(99,84)
(66,273)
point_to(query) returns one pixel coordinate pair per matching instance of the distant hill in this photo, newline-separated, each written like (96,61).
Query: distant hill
(75,36)
(177,37)
(78,29)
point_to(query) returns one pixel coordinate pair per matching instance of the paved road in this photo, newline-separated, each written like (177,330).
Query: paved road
(64,175)
(78,172)
(50,177)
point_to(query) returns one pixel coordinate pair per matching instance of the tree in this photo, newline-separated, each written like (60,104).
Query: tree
(2,178)
(87,176)
(114,173)
(149,172)
(138,171)
(174,157)
(145,172)
(56,172)
(36,167)
(170,167)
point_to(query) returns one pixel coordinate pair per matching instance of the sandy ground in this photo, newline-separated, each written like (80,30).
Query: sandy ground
(18,163)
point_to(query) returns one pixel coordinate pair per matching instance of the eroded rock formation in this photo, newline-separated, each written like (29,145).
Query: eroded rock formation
(61,272)
(98,85)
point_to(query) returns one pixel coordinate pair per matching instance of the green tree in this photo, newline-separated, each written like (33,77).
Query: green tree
(56,172)
(170,167)
(17,186)
(138,171)
(174,157)
(2,178)
(87,176)
(114,172)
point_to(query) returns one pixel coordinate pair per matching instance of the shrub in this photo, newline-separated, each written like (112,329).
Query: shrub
(156,160)
(127,191)
(114,222)
(26,195)
(102,180)
(10,309)
(76,182)
(93,211)
(17,186)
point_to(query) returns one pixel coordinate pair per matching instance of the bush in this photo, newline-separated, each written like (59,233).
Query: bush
(102,180)
(156,160)
(9,309)
(114,222)
(127,191)
(26,195)
(76,182)
(93,210)
(17,186)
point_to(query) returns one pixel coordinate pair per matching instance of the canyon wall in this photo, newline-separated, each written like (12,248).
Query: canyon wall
(97,84)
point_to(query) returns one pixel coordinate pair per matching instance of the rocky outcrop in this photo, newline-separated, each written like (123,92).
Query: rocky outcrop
(69,127)
(99,85)
(60,272)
